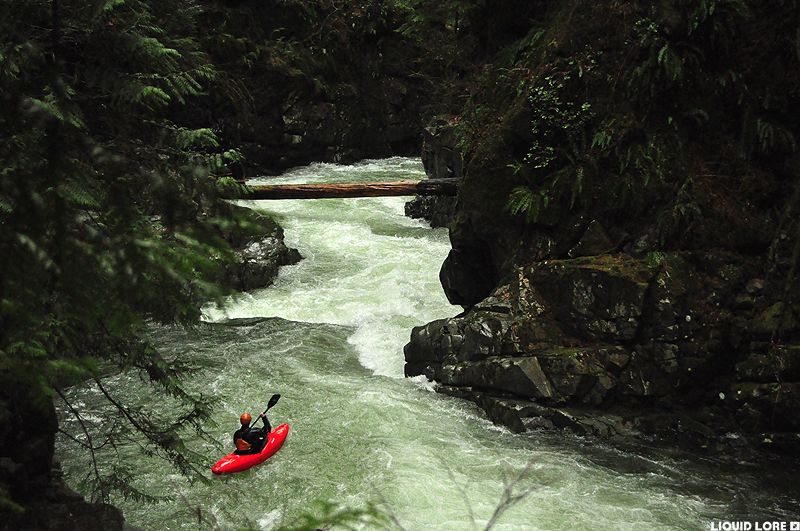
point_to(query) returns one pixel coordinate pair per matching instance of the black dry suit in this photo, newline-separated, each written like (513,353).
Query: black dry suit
(251,440)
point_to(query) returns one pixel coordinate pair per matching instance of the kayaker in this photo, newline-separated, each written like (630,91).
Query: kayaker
(250,440)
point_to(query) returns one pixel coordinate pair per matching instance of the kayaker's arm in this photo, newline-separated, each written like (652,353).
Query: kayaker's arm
(263,415)
(267,426)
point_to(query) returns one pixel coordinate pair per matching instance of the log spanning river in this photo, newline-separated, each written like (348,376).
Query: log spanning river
(360,432)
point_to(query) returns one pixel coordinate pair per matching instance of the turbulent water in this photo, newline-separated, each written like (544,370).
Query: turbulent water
(360,432)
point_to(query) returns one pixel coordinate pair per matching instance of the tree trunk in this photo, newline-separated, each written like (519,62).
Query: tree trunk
(319,191)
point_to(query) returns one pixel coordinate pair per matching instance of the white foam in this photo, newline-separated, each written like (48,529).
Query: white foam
(367,266)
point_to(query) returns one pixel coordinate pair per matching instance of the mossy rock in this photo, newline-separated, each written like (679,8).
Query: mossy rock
(776,318)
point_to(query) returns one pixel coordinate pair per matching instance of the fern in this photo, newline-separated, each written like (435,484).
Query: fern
(78,194)
(151,97)
(107,5)
(773,135)
(525,201)
(195,138)
(679,214)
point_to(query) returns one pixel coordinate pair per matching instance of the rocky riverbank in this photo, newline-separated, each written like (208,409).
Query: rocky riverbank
(441,160)
(626,259)
(603,336)
(617,344)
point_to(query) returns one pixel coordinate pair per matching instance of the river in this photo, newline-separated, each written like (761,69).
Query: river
(360,431)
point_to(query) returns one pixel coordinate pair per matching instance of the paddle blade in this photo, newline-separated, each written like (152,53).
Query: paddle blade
(273,401)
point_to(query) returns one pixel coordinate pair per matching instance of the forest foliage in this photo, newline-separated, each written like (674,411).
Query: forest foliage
(676,121)
(108,205)
(632,105)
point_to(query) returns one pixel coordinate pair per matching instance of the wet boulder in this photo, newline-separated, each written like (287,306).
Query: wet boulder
(259,256)
(614,344)
(549,331)
(259,262)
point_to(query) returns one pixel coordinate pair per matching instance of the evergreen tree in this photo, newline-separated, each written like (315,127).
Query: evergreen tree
(109,217)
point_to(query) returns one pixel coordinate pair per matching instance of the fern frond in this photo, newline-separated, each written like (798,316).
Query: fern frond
(78,194)
(151,97)
(524,200)
(105,6)
(196,138)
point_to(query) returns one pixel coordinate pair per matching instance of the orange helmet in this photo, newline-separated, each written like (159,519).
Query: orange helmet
(245,418)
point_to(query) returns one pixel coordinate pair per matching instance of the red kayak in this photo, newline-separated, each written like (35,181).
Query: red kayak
(237,463)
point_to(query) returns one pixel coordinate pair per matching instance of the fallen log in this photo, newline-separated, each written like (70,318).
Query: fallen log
(332,190)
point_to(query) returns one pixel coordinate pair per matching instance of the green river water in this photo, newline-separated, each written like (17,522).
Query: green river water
(360,431)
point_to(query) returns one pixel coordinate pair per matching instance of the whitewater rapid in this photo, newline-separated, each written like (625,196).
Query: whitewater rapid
(360,432)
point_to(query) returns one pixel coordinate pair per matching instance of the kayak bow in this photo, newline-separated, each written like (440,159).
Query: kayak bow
(237,463)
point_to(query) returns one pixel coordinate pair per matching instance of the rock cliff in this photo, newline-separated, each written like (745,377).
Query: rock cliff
(308,82)
(441,160)
(602,337)
(624,242)
(615,344)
